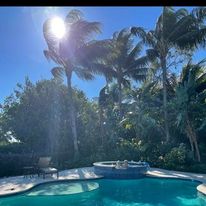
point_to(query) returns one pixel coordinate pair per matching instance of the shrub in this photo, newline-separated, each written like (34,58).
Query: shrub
(176,158)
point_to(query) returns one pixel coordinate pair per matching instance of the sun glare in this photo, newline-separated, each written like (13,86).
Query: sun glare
(58,27)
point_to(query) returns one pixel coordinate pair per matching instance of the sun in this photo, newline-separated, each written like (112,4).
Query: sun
(58,28)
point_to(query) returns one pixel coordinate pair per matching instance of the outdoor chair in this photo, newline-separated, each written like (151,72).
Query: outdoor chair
(44,167)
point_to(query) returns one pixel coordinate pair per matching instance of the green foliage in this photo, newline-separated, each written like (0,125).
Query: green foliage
(38,114)
(130,149)
(176,158)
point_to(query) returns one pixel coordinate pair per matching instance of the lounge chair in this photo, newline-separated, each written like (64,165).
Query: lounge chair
(43,167)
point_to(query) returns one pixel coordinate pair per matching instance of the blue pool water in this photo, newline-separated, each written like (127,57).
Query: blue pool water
(108,192)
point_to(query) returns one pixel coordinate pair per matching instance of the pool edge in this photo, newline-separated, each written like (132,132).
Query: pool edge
(46,182)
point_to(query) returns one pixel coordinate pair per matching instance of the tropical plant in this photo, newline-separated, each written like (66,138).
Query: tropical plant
(75,53)
(174,29)
(190,100)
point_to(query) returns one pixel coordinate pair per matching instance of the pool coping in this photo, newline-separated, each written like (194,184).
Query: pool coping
(153,172)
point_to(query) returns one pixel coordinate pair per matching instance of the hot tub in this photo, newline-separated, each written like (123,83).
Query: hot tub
(108,169)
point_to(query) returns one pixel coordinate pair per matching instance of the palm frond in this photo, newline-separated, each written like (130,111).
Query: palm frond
(138,63)
(115,35)
(50,55)
(134,53)
(58,72)
(140,32)
(82,30)
(47,55)
(180,13)
(202,78)
(138,74)
(201,87)
(181,27)
(126,82)
(168,21)
(124,33)
(102,69)
(152,54)
(73,16)
(93,51)
(51,40)
(84,73)
(185,72)
(192,39)
(200,14)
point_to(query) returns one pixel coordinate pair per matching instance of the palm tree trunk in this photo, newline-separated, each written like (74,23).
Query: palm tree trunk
(120,97)
(72,116)
(196,147)
(164,79)
(193,137)
(188,133)
(101,124)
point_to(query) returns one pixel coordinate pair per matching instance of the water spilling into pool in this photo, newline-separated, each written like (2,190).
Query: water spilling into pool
(109,192)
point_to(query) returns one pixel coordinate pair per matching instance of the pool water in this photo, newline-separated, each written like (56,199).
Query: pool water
(108,192)
(63,188)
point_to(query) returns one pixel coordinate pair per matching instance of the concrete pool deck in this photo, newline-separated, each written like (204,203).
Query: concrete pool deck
(18,184)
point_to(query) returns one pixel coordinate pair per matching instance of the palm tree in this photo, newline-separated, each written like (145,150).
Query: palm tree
(191,96)
(124,62)
(75,53)
(179,29)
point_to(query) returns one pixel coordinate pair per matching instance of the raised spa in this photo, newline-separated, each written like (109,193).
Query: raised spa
(117,169)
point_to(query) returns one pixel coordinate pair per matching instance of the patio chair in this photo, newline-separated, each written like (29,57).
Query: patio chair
(44,168)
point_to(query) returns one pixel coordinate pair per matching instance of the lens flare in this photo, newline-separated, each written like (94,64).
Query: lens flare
(58,28)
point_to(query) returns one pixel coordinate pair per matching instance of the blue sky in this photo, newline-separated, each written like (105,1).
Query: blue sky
(22,42)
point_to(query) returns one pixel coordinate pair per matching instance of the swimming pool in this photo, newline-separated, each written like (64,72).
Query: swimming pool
(111,192)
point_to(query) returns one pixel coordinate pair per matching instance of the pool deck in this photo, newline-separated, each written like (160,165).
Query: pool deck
(18,184)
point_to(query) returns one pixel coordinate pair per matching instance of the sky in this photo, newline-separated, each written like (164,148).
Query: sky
(22,42)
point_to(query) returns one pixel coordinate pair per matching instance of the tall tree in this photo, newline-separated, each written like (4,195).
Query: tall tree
(74,53)
(179,29)
(124,62)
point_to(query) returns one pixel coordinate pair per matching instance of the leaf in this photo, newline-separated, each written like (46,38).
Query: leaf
(82,30)
(138,63)
(140,32)
(84,73)
(134,53)
(73,16)
(58,72)
(199,13)
(93,51)
(152,54)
